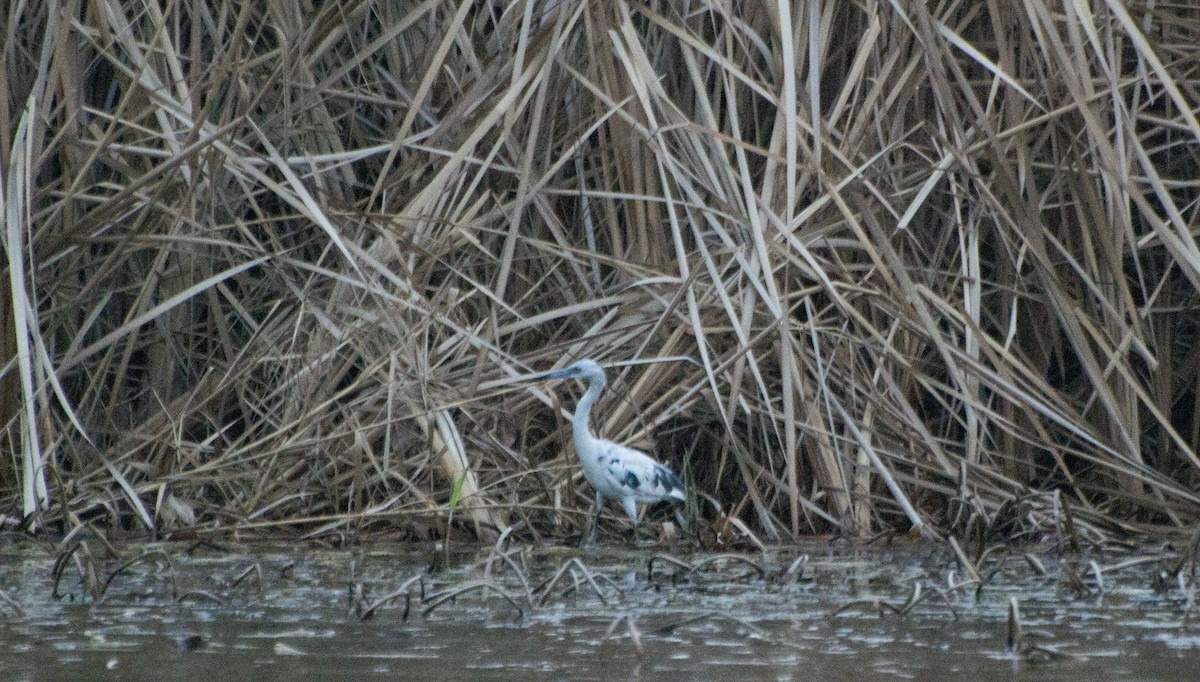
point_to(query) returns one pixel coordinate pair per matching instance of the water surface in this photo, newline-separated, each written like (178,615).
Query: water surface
(293,612)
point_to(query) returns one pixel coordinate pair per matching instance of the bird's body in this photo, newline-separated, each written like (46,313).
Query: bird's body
(614,471)
(627,475)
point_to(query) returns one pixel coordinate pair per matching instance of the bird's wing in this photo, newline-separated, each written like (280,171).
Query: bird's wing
(639,476)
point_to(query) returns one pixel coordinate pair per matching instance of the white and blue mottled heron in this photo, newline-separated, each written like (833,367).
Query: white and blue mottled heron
(614,471)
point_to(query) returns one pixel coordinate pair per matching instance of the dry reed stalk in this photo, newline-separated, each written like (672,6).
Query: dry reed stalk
(270,268)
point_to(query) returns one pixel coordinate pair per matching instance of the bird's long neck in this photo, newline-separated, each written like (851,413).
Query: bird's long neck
(583,411)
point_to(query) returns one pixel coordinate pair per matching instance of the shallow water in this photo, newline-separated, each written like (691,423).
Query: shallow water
(720,622)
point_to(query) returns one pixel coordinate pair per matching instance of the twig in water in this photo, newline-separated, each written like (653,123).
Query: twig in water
(1068,521)
(193,594)
(255,568)
(139,559)
(795,569)
(758,632)
(545,587)
(1075,582)
(71,548)
(878,605)
(952,583)
(914,598)
(1017,640)
(668,559)
(13,603)
(1035,563)
(1189,601)
(946,598)
(1096,571)
(404,591)
(1015,632)
(507,557)
(732,557)
(437,600)
(634,633)
(356,597)
(672,627)
(497,548)
(968,566)
(1189,555)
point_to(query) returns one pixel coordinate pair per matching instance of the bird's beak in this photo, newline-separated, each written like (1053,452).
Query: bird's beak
(556,374)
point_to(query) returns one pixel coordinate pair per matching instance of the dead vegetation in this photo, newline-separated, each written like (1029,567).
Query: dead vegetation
(272,264)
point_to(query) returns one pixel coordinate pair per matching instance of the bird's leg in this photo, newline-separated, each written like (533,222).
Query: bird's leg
(631,511)
(682,521)
(591,536)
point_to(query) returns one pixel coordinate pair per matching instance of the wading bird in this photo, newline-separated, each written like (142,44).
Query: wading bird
(614,471)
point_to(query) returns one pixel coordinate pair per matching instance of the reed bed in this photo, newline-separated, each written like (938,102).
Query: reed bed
(272,267)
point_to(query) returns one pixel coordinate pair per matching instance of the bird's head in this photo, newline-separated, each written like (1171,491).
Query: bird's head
(583,369)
